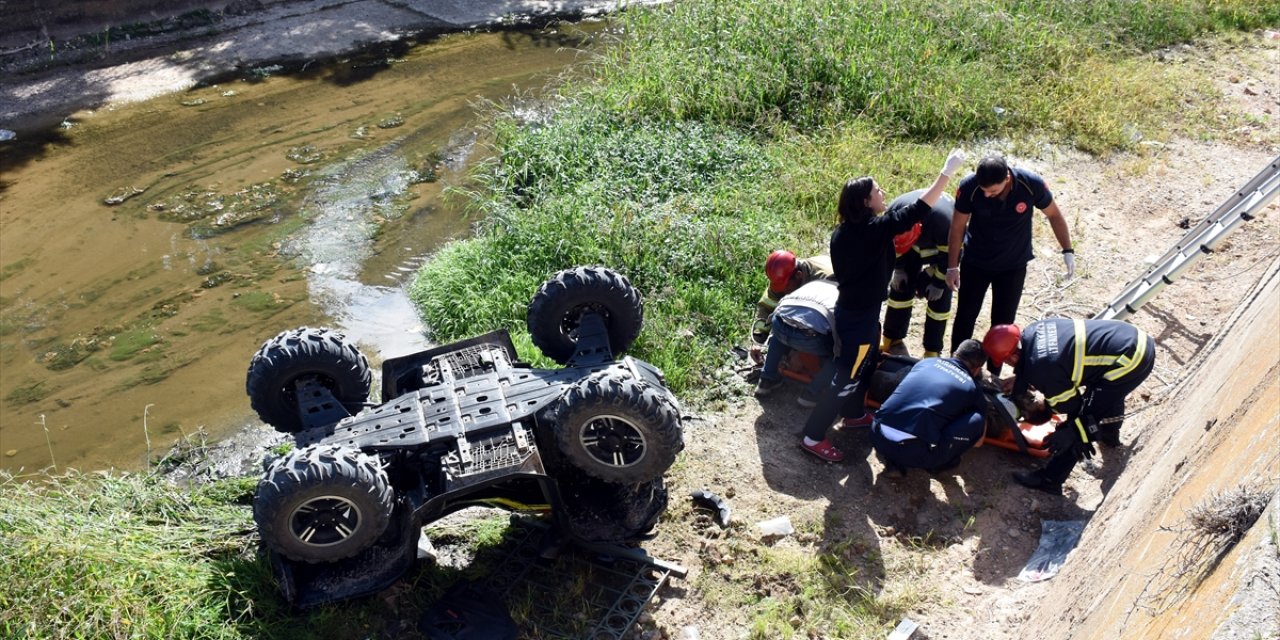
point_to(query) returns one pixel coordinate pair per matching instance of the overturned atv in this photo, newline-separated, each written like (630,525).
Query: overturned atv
(467,424)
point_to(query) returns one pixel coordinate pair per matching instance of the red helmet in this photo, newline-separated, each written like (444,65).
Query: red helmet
(779,268)
(903,241)
(1001,342)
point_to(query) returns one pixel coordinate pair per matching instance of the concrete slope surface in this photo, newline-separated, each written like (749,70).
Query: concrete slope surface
(1142,570)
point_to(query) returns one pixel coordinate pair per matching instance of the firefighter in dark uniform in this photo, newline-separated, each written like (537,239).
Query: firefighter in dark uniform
(785,274)
(992,224)
(921,272)
(1085,369)
(935,414)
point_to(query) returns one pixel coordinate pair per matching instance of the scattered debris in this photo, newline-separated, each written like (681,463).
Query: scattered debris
(714,502)
(904,629)
(1057,539)
(121,195)
(779,526)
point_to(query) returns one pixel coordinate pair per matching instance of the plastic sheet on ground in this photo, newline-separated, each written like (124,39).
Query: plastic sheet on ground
(1057,539)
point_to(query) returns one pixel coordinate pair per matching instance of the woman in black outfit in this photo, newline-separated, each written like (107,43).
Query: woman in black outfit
(862,255)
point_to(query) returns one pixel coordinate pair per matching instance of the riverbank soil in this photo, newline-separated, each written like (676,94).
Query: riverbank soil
(946,551)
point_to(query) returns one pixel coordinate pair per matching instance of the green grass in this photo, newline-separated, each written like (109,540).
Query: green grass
(715,132)
(129,344)
(109,555)
(841,590)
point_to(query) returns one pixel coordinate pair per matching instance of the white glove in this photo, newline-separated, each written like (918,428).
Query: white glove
(1069,258)
(898,282)
(953,278)
(933,291)
(953,162)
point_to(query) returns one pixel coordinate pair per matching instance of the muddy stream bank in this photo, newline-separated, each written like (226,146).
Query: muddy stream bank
(148,249)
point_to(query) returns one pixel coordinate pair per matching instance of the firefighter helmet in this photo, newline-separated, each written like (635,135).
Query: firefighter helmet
(903,242)
(779,268)
(1001,342)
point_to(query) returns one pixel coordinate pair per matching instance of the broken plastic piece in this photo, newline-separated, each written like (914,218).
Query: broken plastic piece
(714,502)
(779,526)
(904,629)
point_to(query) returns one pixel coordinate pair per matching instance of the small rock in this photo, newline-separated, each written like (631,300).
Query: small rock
(11,453)
(795,622)
(1013,532)
(644,618)
(973,591)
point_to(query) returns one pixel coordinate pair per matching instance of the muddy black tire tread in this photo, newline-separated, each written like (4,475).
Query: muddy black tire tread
(299,352)
(562,298)
(611,393)
(328,470)
(594,511)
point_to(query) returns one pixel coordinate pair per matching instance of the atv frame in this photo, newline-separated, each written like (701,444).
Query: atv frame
(464,424)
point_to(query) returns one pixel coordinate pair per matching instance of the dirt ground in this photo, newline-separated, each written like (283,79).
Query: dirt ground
(958,541)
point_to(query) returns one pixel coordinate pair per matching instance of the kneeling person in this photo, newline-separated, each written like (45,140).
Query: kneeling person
(803,322)
(935,414)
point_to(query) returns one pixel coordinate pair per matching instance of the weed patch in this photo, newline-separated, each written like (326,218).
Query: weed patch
(128,344)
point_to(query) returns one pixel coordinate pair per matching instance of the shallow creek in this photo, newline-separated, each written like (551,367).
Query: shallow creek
(147,250)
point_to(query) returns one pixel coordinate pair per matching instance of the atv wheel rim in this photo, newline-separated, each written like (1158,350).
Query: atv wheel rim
(325,521)
(573,319)
(613,441)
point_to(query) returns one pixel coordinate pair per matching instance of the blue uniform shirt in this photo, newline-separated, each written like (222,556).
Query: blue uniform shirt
(935,392)
(999,233)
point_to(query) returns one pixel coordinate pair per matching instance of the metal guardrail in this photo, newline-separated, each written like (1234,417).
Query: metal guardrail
(1203,239)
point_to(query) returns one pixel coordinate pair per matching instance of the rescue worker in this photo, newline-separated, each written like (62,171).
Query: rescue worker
(992,224)
(920,272)
(1084,369)
(862,253)
(785,274)
(935,414)
(803,321)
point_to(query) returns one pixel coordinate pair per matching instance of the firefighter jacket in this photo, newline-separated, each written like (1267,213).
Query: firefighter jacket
(815,268)
(935,393)
(1057,357)
(929,251)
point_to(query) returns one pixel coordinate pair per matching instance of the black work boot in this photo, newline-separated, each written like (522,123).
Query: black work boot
(1033,480)
(1108,435)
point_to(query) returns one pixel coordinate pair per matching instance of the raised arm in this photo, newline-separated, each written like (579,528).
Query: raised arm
(954,160)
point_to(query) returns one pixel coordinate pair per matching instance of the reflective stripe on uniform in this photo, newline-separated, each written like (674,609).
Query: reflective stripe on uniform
(1084,437)
(1126,363)
(862,354)
(1077,369)
(899,304)
(943,317)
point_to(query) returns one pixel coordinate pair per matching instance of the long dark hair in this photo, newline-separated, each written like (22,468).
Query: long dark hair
(853,200)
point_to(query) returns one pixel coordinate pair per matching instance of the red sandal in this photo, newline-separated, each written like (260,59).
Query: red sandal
(824,450)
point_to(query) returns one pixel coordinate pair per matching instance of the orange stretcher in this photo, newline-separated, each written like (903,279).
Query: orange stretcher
(801,367)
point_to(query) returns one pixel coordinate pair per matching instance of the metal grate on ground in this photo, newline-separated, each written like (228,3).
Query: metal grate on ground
(588,592)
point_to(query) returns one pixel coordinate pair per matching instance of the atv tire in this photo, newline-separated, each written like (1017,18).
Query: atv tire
(556,310)
(616,428)
(322,504)
(295,354)
(593,511)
